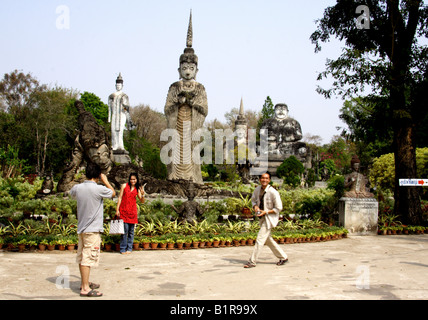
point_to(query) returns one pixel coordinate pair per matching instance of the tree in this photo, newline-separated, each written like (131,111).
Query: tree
(268,111)
(369,126)
(251,116)
(291,171)
(53,127)
(94,105)
(17,91)
(387,57)
(150,123)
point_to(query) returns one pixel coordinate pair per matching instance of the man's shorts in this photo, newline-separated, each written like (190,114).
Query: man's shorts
(88,251)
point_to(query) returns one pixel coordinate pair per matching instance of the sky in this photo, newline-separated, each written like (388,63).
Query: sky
(247,49)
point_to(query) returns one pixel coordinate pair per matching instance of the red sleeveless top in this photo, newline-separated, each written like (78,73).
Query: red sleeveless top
(128,206)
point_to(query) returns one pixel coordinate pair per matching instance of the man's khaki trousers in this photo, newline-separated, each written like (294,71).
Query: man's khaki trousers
(264,238)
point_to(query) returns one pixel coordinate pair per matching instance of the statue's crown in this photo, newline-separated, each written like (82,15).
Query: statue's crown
(189,55)
(119,78)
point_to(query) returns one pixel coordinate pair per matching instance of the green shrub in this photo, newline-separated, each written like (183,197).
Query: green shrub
(291,170)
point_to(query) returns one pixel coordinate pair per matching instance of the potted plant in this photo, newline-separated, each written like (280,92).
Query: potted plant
(195,241)
(187,242)
(145,242)
(170,243)
(154,243)
(136,243)
(71,242)
(61,242)
(180,243)
(162,244)
(21,244)
(216,241)
(43,243)
(51,245)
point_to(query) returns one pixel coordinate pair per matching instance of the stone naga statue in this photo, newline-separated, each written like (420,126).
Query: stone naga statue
(91,145)
(185,109)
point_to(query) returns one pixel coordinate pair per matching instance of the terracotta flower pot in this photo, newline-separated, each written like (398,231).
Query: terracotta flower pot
(70,247)
(154,245)
(42,247)
(170,245)
(195,244)
(146,245)
(180,245)
(216,243)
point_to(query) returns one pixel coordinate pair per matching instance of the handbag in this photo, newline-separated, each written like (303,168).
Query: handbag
(116,227)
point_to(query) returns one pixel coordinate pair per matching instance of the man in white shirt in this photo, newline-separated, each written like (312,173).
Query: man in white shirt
(267,204)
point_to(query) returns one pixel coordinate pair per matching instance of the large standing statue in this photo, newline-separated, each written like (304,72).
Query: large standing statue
(185,109)
(118,115)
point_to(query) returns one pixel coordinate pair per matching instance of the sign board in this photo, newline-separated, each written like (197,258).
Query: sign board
(413,182)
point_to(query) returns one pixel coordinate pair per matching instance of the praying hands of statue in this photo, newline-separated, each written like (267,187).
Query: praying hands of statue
(186,98)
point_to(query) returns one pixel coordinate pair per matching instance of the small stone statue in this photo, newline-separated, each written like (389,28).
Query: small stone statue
(356,183)
(47,187)
(118,115)
(185,109)
(190,210)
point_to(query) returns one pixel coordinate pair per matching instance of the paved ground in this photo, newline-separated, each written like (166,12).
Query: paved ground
(365,267)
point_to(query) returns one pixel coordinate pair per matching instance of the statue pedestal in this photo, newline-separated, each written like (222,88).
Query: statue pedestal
(121,156)
(359,215)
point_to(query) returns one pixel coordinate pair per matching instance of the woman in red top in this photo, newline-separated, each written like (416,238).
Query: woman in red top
(127,210)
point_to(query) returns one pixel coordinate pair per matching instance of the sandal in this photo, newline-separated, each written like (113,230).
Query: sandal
(92,286)
(281,262)
(92,293)
(249,265)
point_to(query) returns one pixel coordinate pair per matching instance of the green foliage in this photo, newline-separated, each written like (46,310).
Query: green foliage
(211,170)
(268,111)
(318,203)
(141,149)
(337,183)
(94,105)
(291,170)
(10,164)
(382,173)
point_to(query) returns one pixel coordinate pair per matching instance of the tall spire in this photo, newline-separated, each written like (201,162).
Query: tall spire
(240,119)
(189,55)
(241,108)
(189,41)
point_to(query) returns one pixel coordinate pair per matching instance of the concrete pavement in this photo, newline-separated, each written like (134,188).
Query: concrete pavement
(358,267)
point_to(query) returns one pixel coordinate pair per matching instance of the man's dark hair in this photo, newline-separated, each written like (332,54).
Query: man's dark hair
(268,173)
(93,171)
